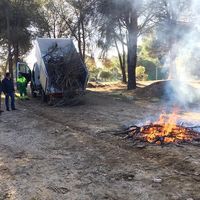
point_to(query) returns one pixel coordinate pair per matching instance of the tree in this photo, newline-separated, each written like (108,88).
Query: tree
(172,26)
(17,21)
(147,56)
(140,73)
(121,56)
(127,12)
(113,34)
(53,21)
(3,59)
(71,18)
(5,37)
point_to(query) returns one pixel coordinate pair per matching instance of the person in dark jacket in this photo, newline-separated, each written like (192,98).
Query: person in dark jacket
(1,89)
(8,90)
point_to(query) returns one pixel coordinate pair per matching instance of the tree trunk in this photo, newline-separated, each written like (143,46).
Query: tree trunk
(16,54)
(10,61)
(54,29)
(132,52)
(83,40)
(122,66)
(80,41)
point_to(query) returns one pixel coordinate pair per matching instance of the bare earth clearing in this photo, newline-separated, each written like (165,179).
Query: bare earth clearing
(51,153)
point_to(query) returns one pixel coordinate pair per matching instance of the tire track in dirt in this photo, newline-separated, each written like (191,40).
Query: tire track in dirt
(150,159)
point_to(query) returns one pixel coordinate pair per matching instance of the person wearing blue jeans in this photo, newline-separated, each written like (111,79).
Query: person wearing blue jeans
(8,89)
(1,89)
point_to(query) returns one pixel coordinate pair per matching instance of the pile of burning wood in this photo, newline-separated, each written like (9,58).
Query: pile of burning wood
(162,132)
(158,134)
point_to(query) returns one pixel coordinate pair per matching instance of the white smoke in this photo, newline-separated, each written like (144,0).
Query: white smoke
(184,22)
(180,59)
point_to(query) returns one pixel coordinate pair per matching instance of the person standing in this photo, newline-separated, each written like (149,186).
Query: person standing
(1,89)
(8,90)
(21,86)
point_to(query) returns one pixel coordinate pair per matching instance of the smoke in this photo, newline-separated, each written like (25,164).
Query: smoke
(180,28)
(183,33)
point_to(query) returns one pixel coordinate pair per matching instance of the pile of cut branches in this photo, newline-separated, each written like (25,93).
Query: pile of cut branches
(156,134)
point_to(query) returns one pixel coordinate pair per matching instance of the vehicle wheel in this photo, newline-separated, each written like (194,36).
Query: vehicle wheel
(33,94)
(44,97)
(51,100)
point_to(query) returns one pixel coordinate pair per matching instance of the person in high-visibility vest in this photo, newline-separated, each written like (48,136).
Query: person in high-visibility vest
(21,85)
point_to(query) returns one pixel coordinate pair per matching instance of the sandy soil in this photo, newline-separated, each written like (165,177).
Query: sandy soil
(51,153)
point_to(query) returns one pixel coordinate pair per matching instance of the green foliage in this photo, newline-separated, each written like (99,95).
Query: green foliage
(150,68)
(148,58)
(109,70)
(154,71)
(22,16)
(115,63)
(140,73)
(106,75)
(107,63)
(94,74)
(90,62)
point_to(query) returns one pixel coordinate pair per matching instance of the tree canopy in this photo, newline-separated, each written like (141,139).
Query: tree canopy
(18,23)
(108,25)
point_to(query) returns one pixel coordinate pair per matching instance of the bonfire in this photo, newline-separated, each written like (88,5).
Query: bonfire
(163,131)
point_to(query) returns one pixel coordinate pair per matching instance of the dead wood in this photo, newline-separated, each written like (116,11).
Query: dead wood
(139,134)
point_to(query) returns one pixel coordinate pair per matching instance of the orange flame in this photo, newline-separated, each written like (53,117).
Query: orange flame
(166,129)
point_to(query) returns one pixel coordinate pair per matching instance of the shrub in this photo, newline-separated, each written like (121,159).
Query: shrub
(106,75)
(140,73)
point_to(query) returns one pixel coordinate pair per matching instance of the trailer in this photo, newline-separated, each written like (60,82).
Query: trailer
(59,70)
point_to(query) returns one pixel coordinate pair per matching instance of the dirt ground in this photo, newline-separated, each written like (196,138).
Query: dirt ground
(58,153)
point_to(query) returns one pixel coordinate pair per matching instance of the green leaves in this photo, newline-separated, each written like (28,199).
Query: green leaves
(23,15)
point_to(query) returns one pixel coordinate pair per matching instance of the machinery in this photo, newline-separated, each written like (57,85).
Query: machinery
(58,71)
(24,70)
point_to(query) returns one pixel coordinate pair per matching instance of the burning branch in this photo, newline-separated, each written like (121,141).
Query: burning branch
(161,134)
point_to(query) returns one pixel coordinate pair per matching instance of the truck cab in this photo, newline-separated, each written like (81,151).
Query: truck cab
(23,69)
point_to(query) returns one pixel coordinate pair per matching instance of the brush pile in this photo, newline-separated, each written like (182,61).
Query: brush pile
(65,72)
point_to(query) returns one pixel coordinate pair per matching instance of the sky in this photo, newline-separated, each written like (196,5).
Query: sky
(31,59)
